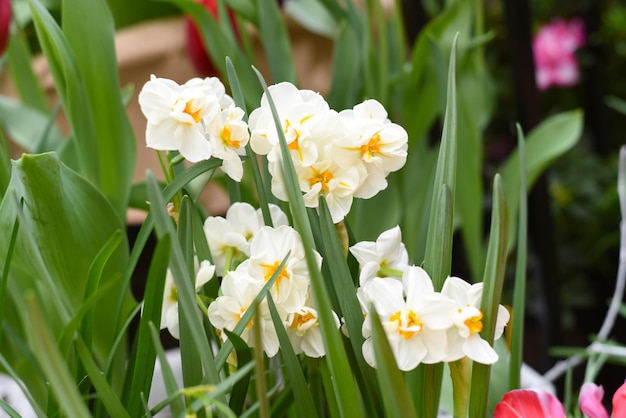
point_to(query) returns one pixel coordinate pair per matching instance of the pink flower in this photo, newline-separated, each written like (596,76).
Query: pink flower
(5,24)
(619,402)
(524,403)
(554,46)
(590,401)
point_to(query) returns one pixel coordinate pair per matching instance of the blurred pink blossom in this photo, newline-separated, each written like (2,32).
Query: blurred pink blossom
(526,403)
(554,48)
(619,402)
(590,401)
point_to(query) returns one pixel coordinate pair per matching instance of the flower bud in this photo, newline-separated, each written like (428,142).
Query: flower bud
(590,401)
(5,24)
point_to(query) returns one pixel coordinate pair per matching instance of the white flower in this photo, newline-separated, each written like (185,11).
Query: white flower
(226,243)
(374,141)
(464,337)
(175,114)
(304,332)
(302,115)
(267,250)
(384,258)
(169,310)
(238,293)
(212,86)
(415,326)
(228,134)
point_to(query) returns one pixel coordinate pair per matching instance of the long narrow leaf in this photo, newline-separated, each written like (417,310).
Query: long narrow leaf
(519,291)
(492,290)
(395,395)
(273,33)
(52,364)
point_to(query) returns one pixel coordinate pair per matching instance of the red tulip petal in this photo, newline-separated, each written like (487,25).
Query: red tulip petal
(523,403)
(619,402)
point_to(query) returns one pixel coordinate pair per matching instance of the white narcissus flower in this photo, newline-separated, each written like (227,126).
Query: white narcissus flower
(238,293)
(416,325)
(267,250)
(302,114)
(212,86)
(464,337)
(228,134)
(374,141)
(226,243)
(387,257)
(175,117)
(304,332)
(169,310)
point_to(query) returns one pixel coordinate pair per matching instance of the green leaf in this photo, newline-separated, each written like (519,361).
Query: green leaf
(65,223)
(145,354)
(395,395)
(89,28)
(492,290)
(28,127)
(303,401)
(105,392)
(275,39)
(52,363)
(239,392)
(174,397)
(519,291)
(313,16)
(549,140)
(346,72)
(71,88)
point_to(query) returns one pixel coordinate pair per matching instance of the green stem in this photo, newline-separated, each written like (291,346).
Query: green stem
(460,371)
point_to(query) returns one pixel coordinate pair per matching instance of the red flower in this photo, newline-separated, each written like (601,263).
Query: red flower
(619,402)
(195,46)
(523,403)
(5,24)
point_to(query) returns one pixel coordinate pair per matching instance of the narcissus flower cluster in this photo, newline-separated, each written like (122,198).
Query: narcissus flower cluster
(422,325)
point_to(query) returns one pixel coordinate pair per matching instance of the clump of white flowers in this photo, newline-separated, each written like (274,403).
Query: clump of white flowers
(337,155)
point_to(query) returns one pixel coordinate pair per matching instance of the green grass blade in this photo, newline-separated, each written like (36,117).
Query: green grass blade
(105,392)
(302,397)
(145,355)
(344,386)
(52,363)
(492,290)
(6,269)
(395,394)
(519,291)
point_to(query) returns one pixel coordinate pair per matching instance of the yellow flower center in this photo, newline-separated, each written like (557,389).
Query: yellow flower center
(270,269)
(294,145)
(474,323)
(193,111)
(173,296)
(372,146)
(226,135)
(324,178)
(241,312)
(299,320)
(408,325)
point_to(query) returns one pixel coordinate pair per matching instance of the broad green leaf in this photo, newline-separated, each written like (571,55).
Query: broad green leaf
(89,29)
(395,395)
(71,88)
(544,144)
(313,16)
(492,290)
(66,222)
